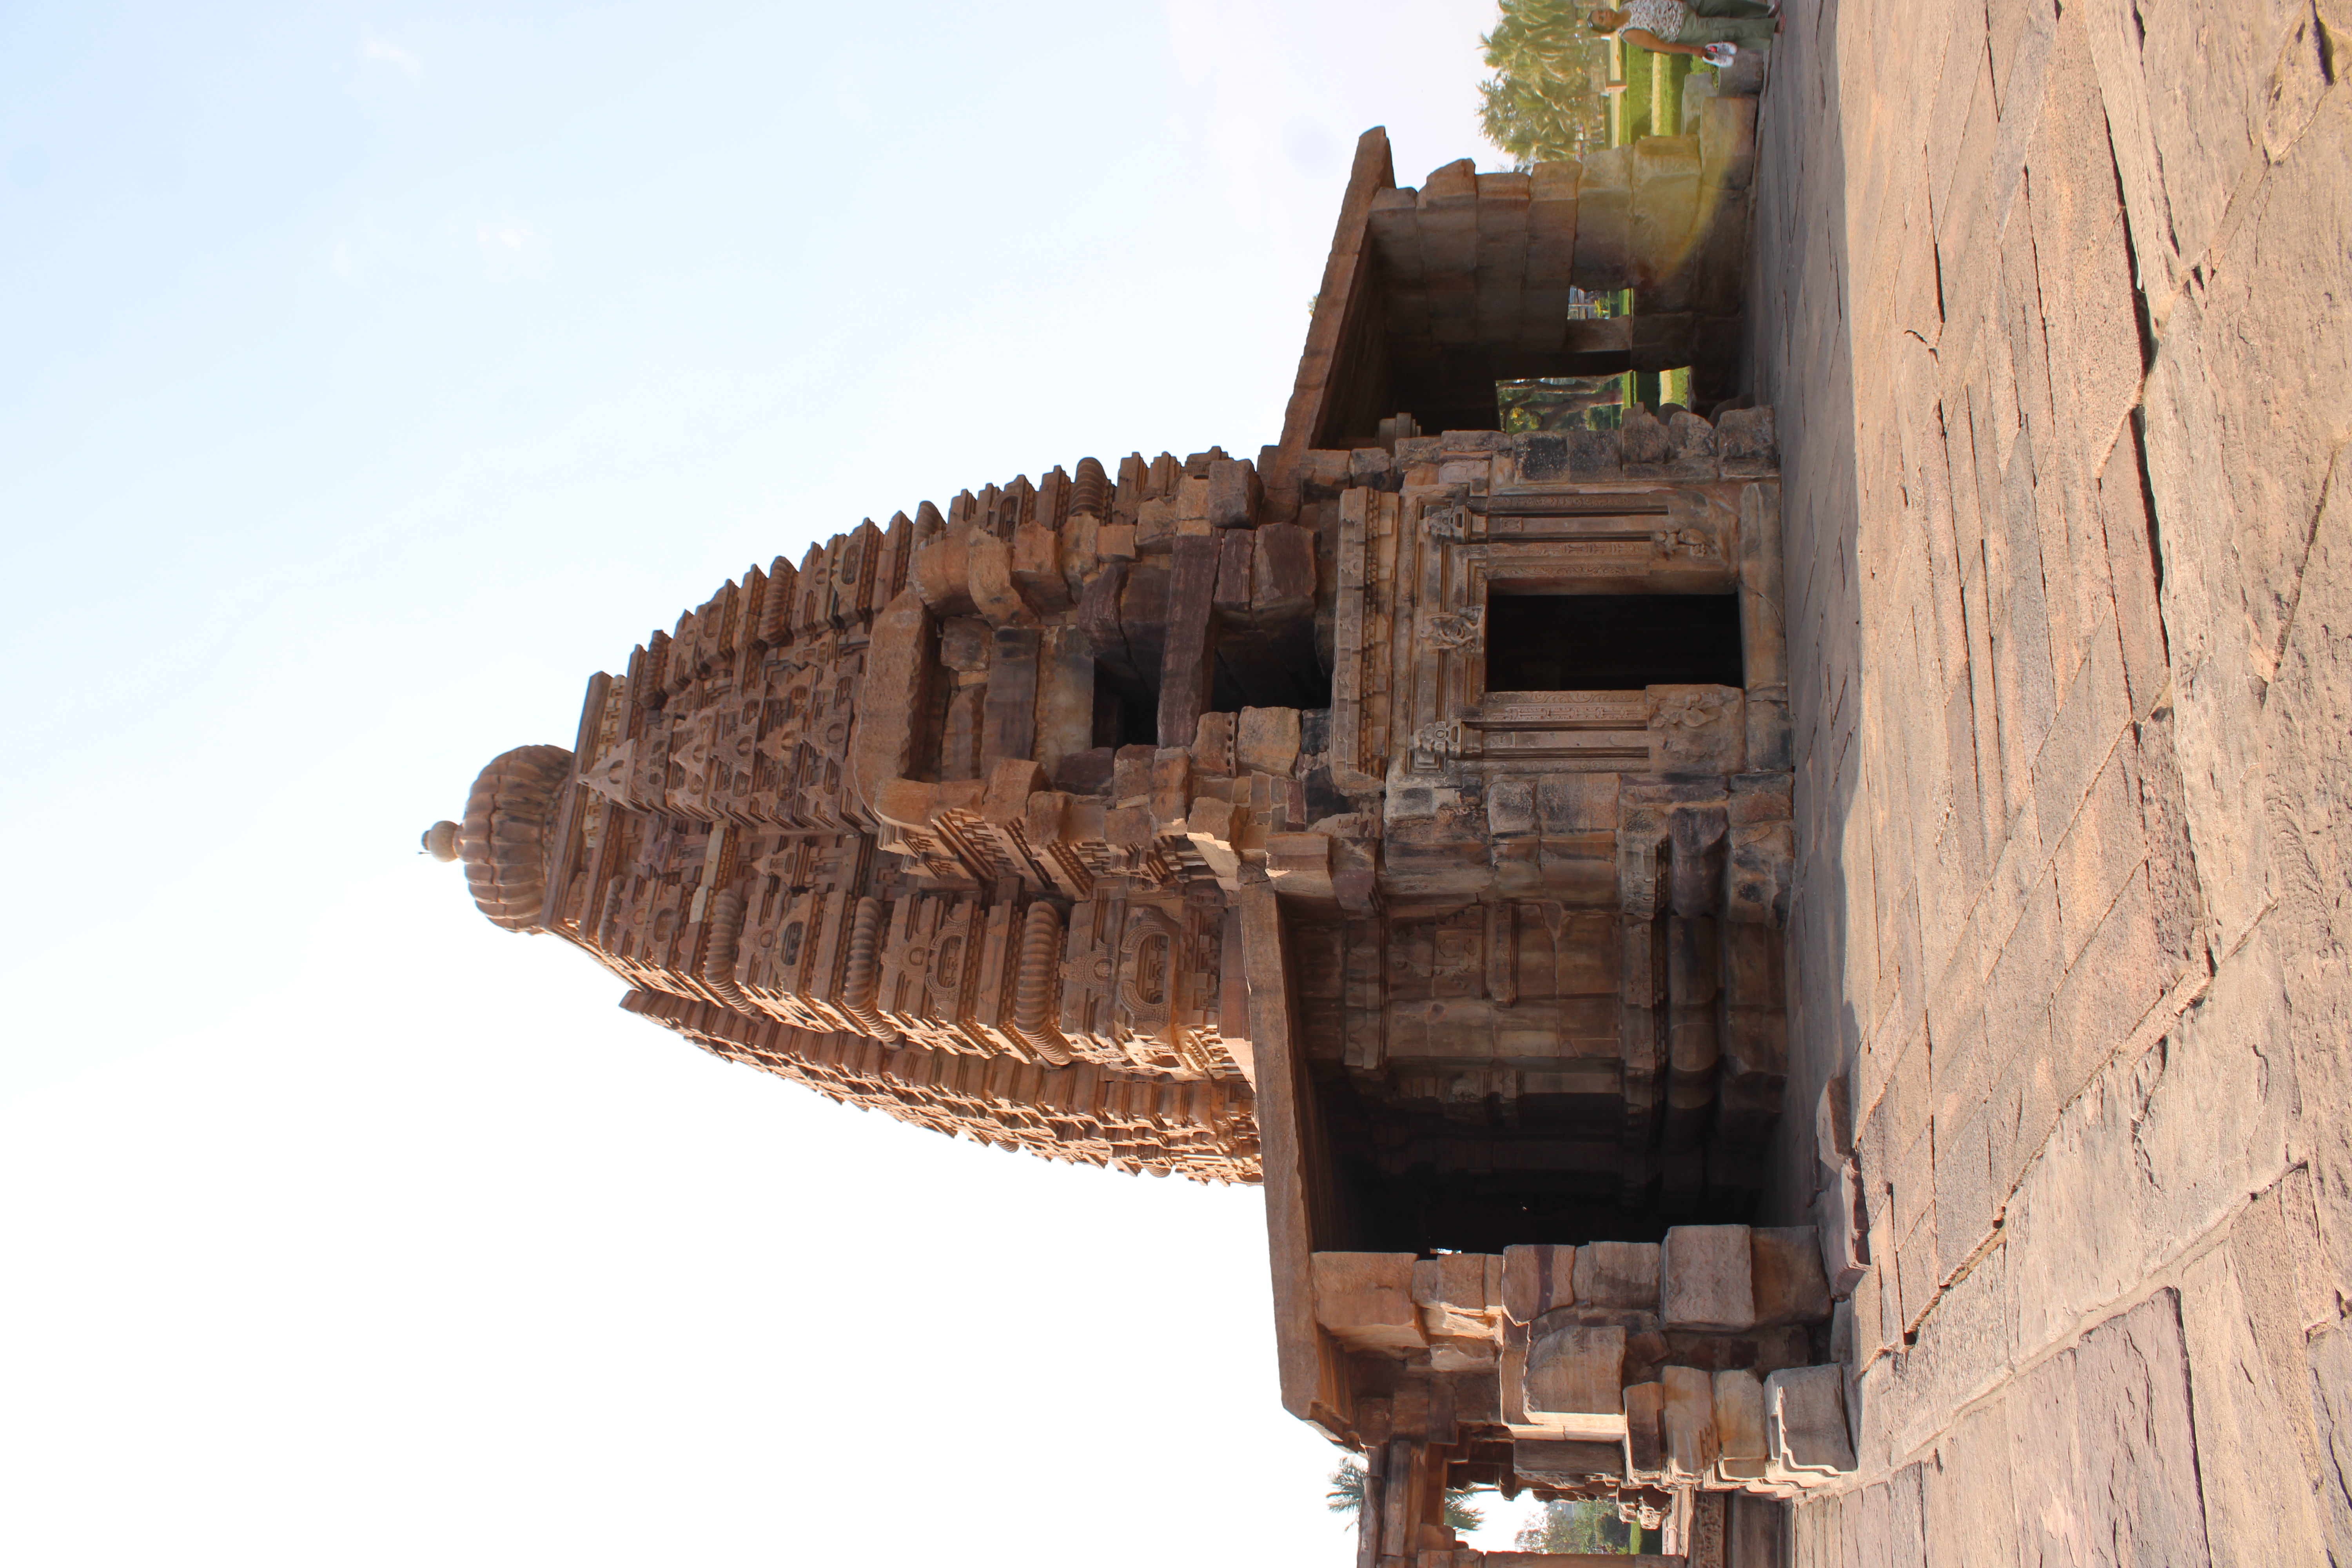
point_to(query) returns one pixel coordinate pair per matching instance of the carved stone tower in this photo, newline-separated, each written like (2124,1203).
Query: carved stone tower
(1399,819)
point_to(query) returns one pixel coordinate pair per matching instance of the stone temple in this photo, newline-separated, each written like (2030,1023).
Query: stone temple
(1748,1015)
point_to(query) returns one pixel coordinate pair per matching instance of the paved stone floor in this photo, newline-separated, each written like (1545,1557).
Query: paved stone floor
(2056,306)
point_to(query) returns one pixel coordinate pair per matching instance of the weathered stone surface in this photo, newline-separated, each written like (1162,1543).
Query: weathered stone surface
(1574,1372)
(1537,1279)
(1565,1464)
(1703,1277)
(2137,1446)
(1687,1422)
(1644,1440)
(2074,399)
(1365,1299)
(1805,1419)
(1617,1274)
(1785,1274)
(2256,1488)
(1740,1441)
(1266,741)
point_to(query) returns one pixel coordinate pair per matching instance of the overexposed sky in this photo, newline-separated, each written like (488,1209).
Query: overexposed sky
(368,378)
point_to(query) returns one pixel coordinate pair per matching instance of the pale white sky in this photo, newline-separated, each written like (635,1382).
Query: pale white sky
(368,378)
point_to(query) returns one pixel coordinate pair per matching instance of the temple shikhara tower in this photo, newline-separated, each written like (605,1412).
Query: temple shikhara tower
(1398,817)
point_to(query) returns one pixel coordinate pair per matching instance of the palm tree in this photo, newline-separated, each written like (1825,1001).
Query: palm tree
(1540,104)
(1347,1496)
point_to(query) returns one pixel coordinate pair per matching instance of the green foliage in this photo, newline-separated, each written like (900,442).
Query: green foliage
(1540,104)
(1586,1525)
(1347,1496)
(1347,1493)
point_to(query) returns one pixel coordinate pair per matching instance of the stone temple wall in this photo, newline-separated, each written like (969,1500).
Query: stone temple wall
(1401,819)
(2062,352)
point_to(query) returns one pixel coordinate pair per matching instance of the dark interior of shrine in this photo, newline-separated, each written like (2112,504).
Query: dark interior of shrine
(1384,366)
(1382,1177)
(1611,642)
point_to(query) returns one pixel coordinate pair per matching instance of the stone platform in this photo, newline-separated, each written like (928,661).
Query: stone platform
(2052,307)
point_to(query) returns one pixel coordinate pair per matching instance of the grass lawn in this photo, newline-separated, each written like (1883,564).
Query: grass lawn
(1651,105)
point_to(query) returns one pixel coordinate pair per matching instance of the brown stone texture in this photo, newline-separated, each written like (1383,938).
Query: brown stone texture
(1706,1277)
(1226,819)
(2049,303)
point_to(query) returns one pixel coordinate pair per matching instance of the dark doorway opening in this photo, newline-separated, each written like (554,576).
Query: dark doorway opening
(1399,1180)
(1127,712)
(1611,642)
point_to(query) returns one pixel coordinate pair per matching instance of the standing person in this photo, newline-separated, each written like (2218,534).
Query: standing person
(1673,27)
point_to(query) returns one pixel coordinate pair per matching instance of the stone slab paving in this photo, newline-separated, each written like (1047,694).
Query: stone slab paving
(2056,308)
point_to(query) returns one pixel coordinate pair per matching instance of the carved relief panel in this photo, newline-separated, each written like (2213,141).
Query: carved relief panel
(1415,621)
(1140,983)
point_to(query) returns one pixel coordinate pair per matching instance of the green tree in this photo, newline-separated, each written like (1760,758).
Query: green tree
(1347,1496)
(1585,1525)
(1540,104)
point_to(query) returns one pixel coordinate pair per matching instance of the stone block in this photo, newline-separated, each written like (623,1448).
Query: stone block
(1832,1127)
(1744,76)
(1510,807)
(1463,1352)
(1621,1275)
(1664,204)
(1298,865)
(1838,1226)
(1556,180)
(1038,569)
(1451,1292)
(1454,185)
(1646,1458)
(1746,443)
(1805,1420)
(1643,442)
(1740,1425)
(1573,1374)
(1692,439)
(1565,1464)
(1282,574)
(1233,493)
(1537,1279)
(1213,745)
(1705,1280)
(1696,729)
(1267,741)
(1727,142)
(1605,169)
(1687,1423)
(1210,827)
(1365,1300)
(1604,259)
(1761,865)
(1323,473)
(1786,1275)
(1192,499)
(1503,188)
(1155,523)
